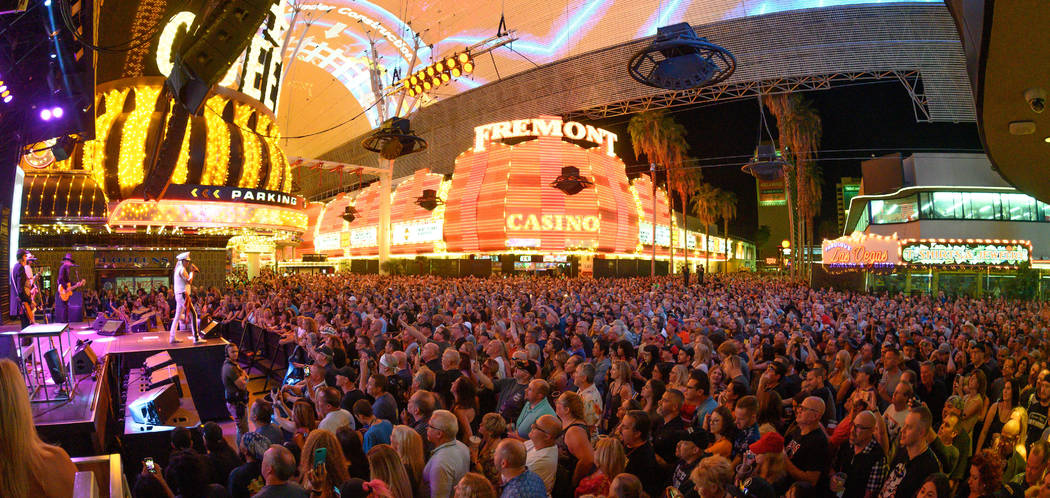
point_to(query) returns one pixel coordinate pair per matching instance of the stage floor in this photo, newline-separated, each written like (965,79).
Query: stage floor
(86,410)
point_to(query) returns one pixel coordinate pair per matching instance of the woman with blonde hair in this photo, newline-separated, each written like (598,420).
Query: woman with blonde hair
(611,459)
(28,466)
(474,485)
(387,466)
(493,428)
(679,378)
(409,446)
(335,463)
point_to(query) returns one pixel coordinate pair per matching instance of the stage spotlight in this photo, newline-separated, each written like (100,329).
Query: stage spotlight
(468,67)
(411,92)
(419,89)
(7,98)
(57,112)
(455,72)
(413,79)
(45,114)
(430,71)
(63,147)
(444,77)
(440,67)
(463,57)
(450,63)
(426,85)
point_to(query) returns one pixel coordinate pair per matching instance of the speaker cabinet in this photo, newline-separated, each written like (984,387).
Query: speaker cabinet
(165,376)
(55,365)
(159,360)
(113,327)
(155,406)
(84,360)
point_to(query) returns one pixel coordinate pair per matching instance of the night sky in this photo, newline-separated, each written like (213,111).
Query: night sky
(861,120)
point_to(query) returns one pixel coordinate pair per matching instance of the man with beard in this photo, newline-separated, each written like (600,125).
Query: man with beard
(1038,407)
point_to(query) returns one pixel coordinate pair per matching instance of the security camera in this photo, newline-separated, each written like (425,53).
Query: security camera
(1036,98)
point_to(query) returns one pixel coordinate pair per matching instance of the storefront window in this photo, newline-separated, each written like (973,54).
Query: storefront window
(957,284)
(894,210)
(1018,207)
(984,206)
(947,205)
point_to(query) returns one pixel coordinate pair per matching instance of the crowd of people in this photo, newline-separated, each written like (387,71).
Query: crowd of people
(514,387)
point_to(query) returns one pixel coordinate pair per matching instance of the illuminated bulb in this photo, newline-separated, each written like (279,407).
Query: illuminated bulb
(440,67)
(430,71)
(436,82)
(455,72)
(444,77)
(468,67)
(57,112)
(45,114)
(463,57)
(426,85)
(419,89)
(450,63)
(414,80)
(411,92)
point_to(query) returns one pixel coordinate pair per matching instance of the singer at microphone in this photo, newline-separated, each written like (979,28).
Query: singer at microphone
(185,271)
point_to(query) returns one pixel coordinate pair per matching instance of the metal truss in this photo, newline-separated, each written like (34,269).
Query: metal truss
(911,79)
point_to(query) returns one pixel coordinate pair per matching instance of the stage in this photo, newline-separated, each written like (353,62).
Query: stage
(85,423)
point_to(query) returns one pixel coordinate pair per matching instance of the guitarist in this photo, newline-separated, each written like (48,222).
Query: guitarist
(19,291)
(65,288)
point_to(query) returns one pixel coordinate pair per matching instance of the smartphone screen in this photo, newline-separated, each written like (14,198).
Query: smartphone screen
(320,454)
(306,370)
(148,463)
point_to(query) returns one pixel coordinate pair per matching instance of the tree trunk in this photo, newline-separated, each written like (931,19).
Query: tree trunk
(670,226)
(707,246)
(725,240)
(789,181)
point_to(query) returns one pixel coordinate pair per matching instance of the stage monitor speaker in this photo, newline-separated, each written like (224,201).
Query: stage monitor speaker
(113,327)
(210,330)
(165,376)
(214,44)
(84,360)
(155,406)
(55,365)
(159,360)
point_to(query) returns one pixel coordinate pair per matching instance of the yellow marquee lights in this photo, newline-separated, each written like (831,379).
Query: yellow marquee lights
(251,147)
(218,149)
(132,152)
(130,130)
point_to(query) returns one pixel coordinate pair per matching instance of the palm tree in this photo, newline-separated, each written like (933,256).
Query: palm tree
(727,211)
(704,204)
(799,128)
(661,139)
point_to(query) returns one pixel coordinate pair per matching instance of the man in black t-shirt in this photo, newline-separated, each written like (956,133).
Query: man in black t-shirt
(1039,408)
(670,428)
(510,391)
(641,459)
(806,445)
(689,451)
(915,460)
(235,384)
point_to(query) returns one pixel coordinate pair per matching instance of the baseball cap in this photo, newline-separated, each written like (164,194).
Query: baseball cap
(770,442)
(527,366)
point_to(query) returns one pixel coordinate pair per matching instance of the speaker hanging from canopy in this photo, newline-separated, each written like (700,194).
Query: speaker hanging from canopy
(678,59)
(429,200)
(394,139)
(768,163)
(349,214)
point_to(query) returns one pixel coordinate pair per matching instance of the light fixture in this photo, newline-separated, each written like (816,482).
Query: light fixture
(1047,140)
(468,67)
(456,72)
(463,57)
(570,181)
(45,114)
(440,67)
(450,62)
(349,214)
(57,112)
(394,139)
(429,200)
(430,71)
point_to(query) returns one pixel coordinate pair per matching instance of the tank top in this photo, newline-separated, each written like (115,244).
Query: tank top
(566,459)
(181,283)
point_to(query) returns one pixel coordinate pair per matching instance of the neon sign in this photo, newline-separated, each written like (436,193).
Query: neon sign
(555,222)
(543,127)
(860,250)
(938,253)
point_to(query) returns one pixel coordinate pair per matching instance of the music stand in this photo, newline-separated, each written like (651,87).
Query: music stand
(36,380)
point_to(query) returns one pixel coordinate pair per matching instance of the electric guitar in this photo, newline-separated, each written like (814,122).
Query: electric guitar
(66,292)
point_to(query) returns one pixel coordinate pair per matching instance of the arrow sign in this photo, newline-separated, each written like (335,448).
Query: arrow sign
(334,30)
(216,194)
(193,192)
